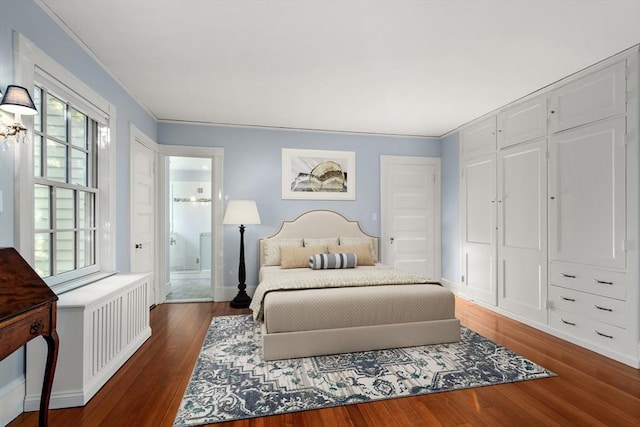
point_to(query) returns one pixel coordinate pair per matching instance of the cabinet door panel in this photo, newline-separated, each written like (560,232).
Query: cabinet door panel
(478,228)
(525,121)
(522,230)
(478,139)
(587,195)
(593,97)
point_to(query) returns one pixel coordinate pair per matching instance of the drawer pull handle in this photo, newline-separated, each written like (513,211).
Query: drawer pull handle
(602,282)
(568,323)
(603,335)
(36,327)
(570,276)
(568,299)
(603,308)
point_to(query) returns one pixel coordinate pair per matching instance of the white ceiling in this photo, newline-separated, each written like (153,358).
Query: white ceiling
(389,67)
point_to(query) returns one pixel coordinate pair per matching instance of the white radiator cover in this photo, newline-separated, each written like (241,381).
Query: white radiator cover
(100,326)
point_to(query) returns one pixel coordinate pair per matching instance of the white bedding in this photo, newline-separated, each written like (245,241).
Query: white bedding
(275,279)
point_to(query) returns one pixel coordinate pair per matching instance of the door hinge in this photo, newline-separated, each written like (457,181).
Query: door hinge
(624,245)
(462,278)
(547,156)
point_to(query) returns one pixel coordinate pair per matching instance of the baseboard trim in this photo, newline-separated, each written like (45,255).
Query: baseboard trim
(12,400)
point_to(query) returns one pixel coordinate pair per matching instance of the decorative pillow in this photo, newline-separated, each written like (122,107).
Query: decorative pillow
(363,252)
(272,249)
(326,261)
(359,241)
(326,241)
(293,257)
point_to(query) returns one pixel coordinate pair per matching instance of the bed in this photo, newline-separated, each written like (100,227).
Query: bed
(306,312)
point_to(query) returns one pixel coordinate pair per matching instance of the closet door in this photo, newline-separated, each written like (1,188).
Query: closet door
(478,139)
(479,228)
(522,122)
(593,97)
(587,169)
(522,230)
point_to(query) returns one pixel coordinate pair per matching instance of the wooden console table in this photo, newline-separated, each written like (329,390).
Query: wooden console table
(27,310)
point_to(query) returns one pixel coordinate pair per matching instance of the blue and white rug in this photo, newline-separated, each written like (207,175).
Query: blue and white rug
(230,380)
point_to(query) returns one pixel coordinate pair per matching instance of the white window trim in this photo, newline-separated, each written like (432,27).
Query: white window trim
(26,58)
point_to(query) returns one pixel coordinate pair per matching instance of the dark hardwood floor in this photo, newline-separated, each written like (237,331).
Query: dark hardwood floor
(590,390)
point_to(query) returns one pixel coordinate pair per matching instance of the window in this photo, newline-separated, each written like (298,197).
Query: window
(65,188)
(65,177)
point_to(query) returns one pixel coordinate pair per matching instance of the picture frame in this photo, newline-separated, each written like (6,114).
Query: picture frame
(318,174)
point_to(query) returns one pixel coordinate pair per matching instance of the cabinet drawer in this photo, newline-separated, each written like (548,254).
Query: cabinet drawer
(582,278)
(17,334)
(601,334)
(602,309)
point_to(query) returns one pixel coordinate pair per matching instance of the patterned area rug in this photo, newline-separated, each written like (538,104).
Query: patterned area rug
(230,381)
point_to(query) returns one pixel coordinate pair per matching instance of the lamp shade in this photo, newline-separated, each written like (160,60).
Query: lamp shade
(18,101)
(241,212)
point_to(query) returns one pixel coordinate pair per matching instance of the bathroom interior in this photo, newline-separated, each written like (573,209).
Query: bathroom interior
(189,229)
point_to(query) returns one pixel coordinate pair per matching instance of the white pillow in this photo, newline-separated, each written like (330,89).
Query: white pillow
(272,249)
(324,241)
(349,241)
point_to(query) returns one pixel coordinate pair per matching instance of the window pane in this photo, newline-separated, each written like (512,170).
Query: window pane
(65,218)
(37,100)
(85,248)
(85,209)
(37,155)
(42,207)
(56,161)
(56,118)
(78,167)
(65,251)
(42,246)
(78,129)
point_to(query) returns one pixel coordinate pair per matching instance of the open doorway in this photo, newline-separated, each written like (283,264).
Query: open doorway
(190,236)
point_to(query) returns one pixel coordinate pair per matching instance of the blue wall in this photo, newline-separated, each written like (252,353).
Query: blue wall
(30,20)
(450,208)
(252,165)
(252,158)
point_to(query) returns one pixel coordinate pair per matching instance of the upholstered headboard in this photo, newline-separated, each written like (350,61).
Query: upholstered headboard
(318,224)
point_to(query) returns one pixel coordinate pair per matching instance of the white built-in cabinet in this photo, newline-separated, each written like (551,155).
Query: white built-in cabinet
(479,228)
(549,209)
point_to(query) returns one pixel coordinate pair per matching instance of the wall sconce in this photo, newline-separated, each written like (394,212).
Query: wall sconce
(17,101)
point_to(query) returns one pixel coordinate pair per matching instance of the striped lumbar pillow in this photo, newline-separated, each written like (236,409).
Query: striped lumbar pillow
(340,260)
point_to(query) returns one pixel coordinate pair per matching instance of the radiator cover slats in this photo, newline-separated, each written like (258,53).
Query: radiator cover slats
(100,326)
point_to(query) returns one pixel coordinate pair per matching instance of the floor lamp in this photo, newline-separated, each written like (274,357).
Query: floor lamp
(241,212)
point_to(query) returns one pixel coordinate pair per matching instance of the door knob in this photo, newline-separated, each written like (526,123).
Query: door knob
(138,245)
(391,239)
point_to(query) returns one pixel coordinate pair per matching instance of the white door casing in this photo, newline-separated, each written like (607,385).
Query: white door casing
(522,229)
(478,228)
(220,293)
(410,214)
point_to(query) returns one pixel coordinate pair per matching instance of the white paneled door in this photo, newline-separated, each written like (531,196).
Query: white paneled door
(142,211)
(478,194)
(410,214)
(587,190)
(522,229)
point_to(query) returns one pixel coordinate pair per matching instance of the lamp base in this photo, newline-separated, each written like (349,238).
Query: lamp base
(242,300)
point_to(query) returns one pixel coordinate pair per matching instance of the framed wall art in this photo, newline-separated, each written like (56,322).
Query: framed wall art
(318,174)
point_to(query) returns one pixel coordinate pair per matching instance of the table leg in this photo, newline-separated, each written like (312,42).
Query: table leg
(50,368)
